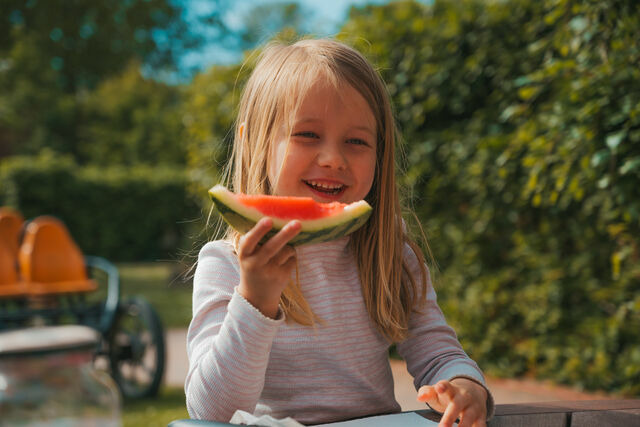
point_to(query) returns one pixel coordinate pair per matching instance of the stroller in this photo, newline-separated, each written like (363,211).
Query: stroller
(46,280)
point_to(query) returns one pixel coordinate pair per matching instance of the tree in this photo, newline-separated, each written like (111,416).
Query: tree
(210,107)
(55,52)
(85,41)
(130,119)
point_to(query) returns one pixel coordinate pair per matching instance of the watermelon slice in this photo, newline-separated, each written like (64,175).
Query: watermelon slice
(320,222)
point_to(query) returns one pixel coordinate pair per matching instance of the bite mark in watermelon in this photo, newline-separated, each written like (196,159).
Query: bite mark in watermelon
(321,222)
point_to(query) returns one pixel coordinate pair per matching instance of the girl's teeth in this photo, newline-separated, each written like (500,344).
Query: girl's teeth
(325,187)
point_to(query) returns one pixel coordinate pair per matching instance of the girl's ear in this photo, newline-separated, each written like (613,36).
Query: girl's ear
(241,130)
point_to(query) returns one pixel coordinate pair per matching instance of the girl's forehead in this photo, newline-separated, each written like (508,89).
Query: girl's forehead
(318,93)
(325,82)
(323,95)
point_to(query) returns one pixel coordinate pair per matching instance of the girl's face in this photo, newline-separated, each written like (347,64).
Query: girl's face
(330,154)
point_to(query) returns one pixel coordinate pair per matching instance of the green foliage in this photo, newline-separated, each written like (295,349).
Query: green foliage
(119,213)
(90,40)
(521,121)
(210,106)
(132,120)
(53,53)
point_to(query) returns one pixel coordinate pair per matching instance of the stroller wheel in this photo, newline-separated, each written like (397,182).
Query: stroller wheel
(136,349)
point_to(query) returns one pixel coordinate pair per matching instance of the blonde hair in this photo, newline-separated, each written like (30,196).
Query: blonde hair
(277,86)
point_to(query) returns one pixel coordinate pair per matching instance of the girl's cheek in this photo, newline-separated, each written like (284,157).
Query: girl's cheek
(276,162)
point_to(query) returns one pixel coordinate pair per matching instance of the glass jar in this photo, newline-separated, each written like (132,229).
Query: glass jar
(47,378)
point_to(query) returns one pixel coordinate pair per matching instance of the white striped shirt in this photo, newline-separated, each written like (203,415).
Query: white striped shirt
(339,369)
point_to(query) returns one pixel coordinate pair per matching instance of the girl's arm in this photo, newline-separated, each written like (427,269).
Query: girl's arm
(235,318)
(432,350)
(228,341)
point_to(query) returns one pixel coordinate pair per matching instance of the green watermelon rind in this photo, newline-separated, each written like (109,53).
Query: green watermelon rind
(242,218)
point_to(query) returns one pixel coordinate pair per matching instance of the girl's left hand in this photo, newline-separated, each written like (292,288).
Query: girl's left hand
(459,398)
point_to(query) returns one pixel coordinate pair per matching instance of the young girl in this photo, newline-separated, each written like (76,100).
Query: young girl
(305,332)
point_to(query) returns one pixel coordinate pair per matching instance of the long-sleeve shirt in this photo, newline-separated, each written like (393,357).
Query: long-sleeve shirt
(335,370)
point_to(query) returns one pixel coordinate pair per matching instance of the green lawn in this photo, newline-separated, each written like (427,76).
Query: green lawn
(162,285)
(169,405)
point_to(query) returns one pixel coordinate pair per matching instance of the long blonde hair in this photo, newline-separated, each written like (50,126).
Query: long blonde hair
(277,86)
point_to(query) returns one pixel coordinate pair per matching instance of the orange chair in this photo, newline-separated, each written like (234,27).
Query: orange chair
(10,285)
(10,226)
(50,261)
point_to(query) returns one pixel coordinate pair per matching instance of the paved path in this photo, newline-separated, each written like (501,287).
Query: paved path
(504,390)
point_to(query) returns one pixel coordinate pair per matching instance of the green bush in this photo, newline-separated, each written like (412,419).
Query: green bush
(522,123)
(123,214)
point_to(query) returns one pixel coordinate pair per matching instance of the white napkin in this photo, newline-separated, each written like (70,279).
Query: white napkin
(242,417)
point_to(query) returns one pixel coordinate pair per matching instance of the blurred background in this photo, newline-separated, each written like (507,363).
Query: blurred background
(521,141)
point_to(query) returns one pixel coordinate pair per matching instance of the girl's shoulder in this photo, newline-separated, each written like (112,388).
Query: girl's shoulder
(416,264)
(216,273)
(218,251)
(217,268)
(410,256)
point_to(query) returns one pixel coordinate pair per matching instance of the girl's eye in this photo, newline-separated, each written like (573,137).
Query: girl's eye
(306,134)
(357,141)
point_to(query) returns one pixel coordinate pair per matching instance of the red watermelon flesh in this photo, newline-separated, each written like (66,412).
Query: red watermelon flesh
(302,208)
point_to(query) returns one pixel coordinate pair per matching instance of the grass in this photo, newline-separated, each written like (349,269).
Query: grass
(160,284)
(168,406)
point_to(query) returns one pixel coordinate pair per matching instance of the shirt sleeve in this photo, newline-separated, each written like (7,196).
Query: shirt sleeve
(432,350)
(228,341)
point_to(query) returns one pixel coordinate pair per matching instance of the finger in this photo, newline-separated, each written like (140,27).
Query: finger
(463,421)
(289,264)
(470,422)
(250,240)
(284,255)
(450,414)
(275,244)
(467,419)
(428,395)
(473,416)
(446,391)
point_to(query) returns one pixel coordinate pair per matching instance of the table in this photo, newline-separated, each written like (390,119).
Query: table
(581,413)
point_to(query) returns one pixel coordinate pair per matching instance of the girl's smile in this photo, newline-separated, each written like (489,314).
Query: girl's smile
(326,188)
(330,154)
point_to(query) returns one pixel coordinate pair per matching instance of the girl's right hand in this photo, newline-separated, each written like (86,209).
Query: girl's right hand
(265,270)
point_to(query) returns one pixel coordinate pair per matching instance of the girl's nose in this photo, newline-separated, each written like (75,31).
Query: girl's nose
(330,155)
